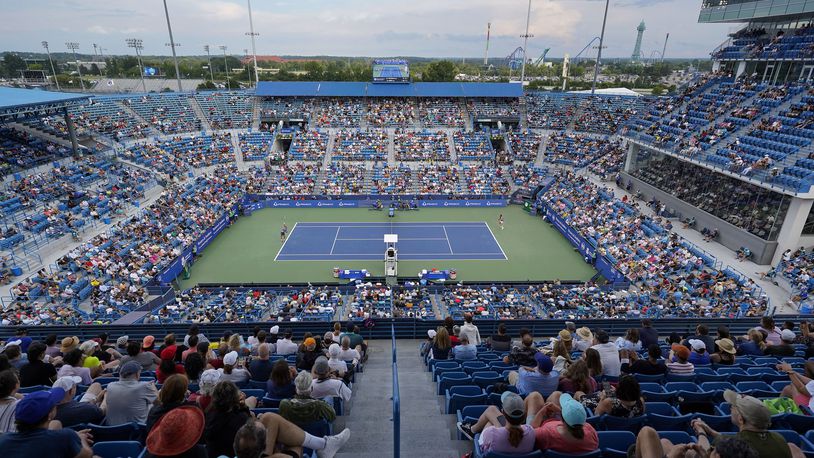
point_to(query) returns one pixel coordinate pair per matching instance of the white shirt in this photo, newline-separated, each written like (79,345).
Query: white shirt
(330,387)
(471,332)
(338,365)
(609,355)
(286,347)
(349,355)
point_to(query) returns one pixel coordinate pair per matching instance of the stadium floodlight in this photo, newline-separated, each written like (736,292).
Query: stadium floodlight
(254,50)
(48,51)
(599,53)
(138,45)
(97,55)
(525,45)
(173,45)
(209,60)
(226,64)
(73,46)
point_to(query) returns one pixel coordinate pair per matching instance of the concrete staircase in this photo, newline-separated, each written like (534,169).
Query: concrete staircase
(241,164)
(329,148)
(453,154)
(543,145)
(127,109)
(196,107)
(391,147)
(256,114)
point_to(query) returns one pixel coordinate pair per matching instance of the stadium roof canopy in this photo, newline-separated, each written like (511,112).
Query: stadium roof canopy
(21,103)
(611,91)
(359,89)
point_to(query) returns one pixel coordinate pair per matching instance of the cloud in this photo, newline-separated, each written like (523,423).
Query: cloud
(432,28)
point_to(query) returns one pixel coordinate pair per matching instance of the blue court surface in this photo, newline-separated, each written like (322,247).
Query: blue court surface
(365,242)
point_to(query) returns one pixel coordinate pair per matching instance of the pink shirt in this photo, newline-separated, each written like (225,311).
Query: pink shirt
(548,437)
(493,439)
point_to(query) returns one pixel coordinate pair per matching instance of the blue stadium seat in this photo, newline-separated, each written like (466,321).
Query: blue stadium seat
(469,414)
(719,423)
(473,366)
(450,379)
(799,423)
(677,437)
(444,367)
(125,432)
(553,454)
(644,378)
(615,443)
(459,397)
(654,392)
(117,449)
(756,389)
(633,424)
(688,391)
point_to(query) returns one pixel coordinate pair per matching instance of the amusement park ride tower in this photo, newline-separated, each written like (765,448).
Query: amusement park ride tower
(637,50)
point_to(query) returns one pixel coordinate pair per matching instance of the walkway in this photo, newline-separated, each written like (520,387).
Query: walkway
(370,408)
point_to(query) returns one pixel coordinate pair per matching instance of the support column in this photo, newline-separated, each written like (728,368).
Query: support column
(716,65)
(632,152)
(740,70)
(71,132)
(789,237)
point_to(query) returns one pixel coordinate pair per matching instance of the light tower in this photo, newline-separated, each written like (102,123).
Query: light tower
(637,50)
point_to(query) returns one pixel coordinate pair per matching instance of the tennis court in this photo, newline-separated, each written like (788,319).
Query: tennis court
(364,241)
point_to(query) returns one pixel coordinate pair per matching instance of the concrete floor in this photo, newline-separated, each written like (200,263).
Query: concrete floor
(425,430)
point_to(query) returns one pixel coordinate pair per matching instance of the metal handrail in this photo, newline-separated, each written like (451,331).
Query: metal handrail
(396,398)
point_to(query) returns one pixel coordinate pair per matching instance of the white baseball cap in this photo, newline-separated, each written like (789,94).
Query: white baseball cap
(67,382)
(787,335)
(697,344)
(230,359)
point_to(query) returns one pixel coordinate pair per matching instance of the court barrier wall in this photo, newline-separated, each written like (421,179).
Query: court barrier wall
(254,203)
(586,248)
(186,258)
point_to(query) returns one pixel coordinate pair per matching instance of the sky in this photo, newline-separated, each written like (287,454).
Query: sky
(376,28)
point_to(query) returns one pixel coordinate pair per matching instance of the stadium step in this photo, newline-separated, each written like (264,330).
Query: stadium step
(256,115)
(421,409)
(200,114)
(453,155)
(41,134)
(391,149)
(541,151)
(134,114)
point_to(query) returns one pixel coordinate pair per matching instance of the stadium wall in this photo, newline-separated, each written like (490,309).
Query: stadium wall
(405,328)
(730,236)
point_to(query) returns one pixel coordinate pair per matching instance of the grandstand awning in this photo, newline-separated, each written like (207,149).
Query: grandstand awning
(623,91)
(17,103)
(359,89)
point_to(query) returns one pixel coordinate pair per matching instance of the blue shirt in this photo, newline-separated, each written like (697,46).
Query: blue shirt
(465,352)
(40,443)
(531,381)
(696,358)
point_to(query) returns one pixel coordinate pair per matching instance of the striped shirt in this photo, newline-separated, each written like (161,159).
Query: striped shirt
(675,367)
(7,407)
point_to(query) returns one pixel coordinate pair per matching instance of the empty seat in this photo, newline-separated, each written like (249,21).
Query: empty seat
(459,397)
(615,443)
(117,449)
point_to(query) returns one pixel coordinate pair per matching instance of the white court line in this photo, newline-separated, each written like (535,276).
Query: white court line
(287,236)
(380,239)
(411,254)
(448,243)
(335,236)
(495,239)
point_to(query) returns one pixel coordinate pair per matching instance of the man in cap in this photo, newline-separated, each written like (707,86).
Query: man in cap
(33,439)
(678,363)
(753,419)
(325,384)
(492,426)
(274,334)
(286,345)
(699,353)
(542,379)
(784,348)
(121,344)
(87,410)
(304,409)
(308,354)
(129,400)
(702,334)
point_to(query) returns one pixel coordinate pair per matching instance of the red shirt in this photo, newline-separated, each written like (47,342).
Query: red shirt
(548,437)
(160,376)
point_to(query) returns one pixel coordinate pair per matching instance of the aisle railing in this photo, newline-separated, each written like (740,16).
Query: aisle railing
(396,398)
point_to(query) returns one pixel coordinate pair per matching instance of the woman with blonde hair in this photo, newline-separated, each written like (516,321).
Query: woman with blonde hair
(441,345)
(754,346)
(561,356)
